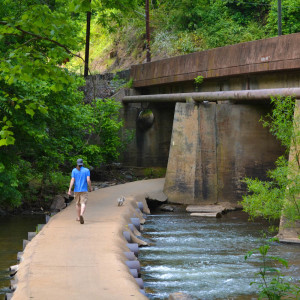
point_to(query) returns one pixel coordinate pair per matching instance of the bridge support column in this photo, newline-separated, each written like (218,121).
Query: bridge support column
(192,166)
(291,232)
(181,169)
(213,147)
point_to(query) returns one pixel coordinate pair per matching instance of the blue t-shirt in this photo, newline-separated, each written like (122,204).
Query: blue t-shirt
(80,177)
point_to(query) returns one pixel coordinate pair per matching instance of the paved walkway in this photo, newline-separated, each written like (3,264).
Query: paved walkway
(67,260)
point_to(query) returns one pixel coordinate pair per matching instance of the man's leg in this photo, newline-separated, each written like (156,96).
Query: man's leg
(82,209)
(83,200)
(78,208)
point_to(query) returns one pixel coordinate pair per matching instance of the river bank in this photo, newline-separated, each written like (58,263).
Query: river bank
(106,176)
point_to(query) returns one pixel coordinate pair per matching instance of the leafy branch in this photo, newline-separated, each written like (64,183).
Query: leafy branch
(39,37)
(271,282)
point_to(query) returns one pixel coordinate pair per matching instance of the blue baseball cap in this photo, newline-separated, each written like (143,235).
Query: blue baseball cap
(79,162)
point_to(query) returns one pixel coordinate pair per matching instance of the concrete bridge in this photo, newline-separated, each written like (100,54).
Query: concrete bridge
(209,137)
(210,146)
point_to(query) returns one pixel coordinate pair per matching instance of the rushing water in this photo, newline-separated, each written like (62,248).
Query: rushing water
(204,257)
(13,229)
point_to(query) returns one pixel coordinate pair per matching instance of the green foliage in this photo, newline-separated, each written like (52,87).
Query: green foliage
(281,193)
(290,17)
(181,27)
(266,198)
(270,281)
(9,184)
(129,84)
(155,172)
(245,12)
(206,24)
(107,127)
(198,80)
(281,120)
(44,123)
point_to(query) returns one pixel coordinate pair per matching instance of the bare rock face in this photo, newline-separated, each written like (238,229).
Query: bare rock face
(180,296)
(58,203)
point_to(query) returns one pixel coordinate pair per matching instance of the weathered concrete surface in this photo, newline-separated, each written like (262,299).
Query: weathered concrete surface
(156,196)
(150,147)
(265,64)
(255,57)
(67,260)
(213,147)
(180,177)
(222,207)
(290,233)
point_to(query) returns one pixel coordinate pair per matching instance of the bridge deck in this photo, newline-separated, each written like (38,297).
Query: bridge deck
(275,54)
(67,260)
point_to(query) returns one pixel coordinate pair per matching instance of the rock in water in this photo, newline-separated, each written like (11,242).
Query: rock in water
(168,208)
(205,208)
(58,203)
(180,296)
(208,215)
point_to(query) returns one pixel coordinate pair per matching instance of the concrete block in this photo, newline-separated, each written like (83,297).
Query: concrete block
(213,148)
(31,235)
(180,176)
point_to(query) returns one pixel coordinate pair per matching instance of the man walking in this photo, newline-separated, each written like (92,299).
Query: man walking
(82,180)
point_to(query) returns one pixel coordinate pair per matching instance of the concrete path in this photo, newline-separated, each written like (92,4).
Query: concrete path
(67,260)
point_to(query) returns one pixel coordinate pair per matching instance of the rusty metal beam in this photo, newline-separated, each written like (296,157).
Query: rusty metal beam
(263,94)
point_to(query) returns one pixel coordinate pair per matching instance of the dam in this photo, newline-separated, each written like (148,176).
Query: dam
(208,138)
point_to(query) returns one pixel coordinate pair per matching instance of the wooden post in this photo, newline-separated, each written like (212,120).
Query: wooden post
(87,43)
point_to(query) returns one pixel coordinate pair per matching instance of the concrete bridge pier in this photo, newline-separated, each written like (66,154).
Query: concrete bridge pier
(214,145)
(288,233)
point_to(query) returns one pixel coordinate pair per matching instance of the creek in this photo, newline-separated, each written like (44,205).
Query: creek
(13,229)
(204,257)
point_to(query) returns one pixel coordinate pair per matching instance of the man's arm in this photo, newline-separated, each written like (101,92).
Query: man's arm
(71,185)
(88,179)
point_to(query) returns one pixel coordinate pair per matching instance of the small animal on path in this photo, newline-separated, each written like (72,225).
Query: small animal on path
(121,201)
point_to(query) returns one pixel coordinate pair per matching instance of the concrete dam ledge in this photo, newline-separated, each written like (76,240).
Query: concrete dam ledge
(67,260)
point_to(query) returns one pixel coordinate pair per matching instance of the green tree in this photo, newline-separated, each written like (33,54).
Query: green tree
(270,281)
(281,193)
(44,123)
(290,17)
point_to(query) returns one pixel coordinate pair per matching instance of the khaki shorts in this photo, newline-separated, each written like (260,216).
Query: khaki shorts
(81,197)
